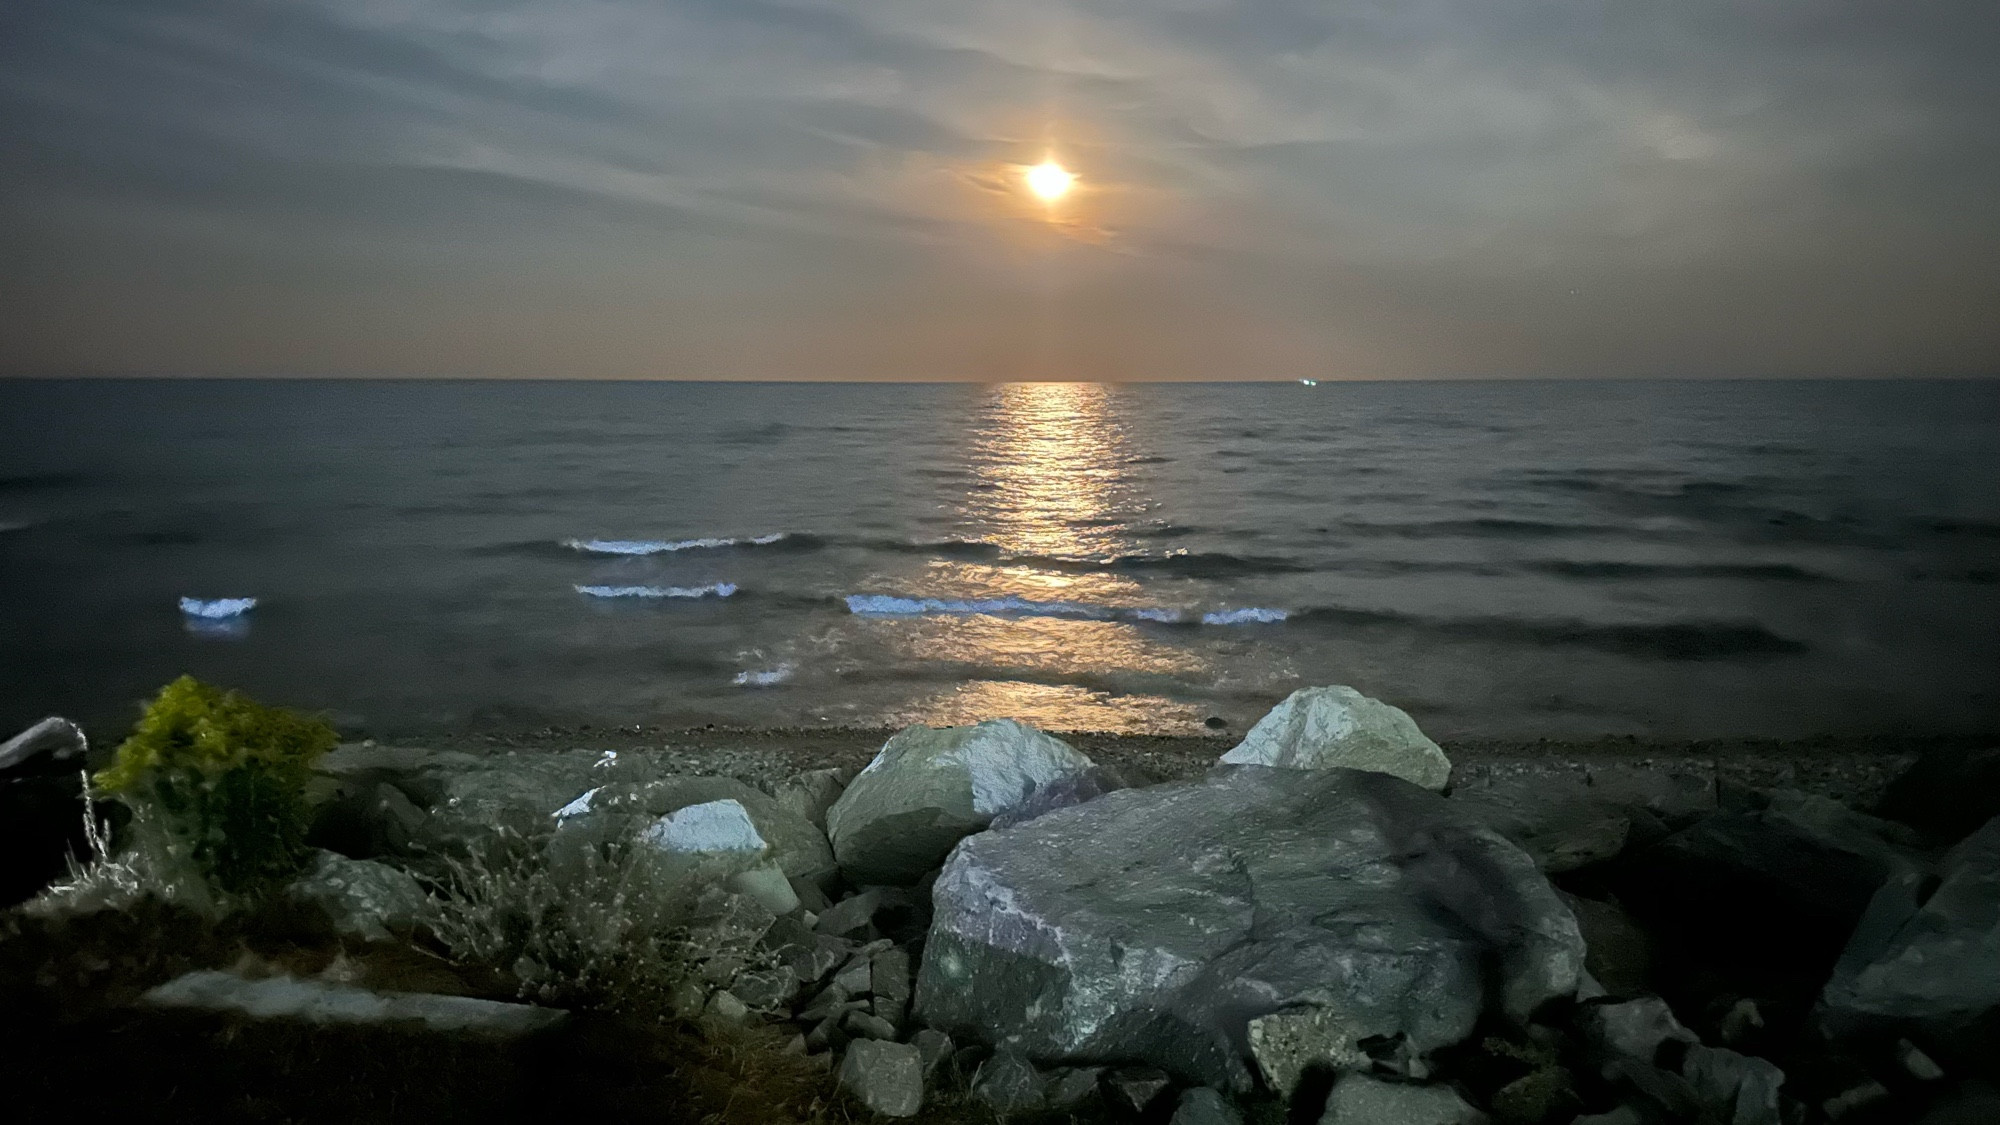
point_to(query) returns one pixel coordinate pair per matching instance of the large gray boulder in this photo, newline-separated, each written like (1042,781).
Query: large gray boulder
(1155,924)
(929,788)
(1930,962)
(1770,894)
(1569,818)
(1338,727)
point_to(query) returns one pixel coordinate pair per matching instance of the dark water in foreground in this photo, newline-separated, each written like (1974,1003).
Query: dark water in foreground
(1505,559)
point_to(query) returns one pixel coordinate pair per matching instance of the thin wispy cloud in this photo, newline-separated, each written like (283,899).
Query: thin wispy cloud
(830,189)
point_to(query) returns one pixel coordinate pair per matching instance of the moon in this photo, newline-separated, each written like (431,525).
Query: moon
(1050,180)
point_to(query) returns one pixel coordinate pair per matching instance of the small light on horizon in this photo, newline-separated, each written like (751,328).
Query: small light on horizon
(1050,181)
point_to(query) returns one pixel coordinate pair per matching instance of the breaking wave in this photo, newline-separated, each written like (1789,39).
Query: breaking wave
(713,590)
(664,546)
(217,609)
(765,677)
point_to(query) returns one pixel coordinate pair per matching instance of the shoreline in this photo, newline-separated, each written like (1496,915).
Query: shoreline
(1853,769)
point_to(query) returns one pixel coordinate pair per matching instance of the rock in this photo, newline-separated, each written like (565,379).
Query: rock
(54,744)
(1061,793)
(1621,1115)
(1634,1029)
(809,795)
(767,886)
(1916,1063)
(364,899)
(1071,1086)
(1741,1023)
(1009,1083)
(318,1002)
(1338,727)
(1770,893)
(1925,962)
(851,914)
(889,980)
(1618,953)
(1153,924)
(862,1025)
(714,816)
(707,828)
(1972,1103)
(365,818)
(727,1007)
(886,1077)
(1136,1087)
(857,976)
(1359,1099)
(1571,819)
(1738,1089)
(933,1047)
(1946,794)
(1287,1043)
(929,788)
(41,827)
(1862,1097)
(1200,1105)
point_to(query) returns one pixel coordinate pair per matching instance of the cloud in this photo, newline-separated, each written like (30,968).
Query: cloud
(824,188)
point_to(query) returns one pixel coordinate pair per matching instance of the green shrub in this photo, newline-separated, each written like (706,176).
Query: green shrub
(218,780)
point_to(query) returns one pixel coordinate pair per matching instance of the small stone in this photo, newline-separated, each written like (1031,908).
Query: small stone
(849,914)
(933,1047)
(826,1036)
(1287,1043)
(855,976)
(1202,1105)
(885,1077)
(1741,1022)
(1635,1029)
(861,1025)
(1009,1083)
(796,1045)
(1916,1063)
(1854,1100)
(1336,726)
(1622,1115)
(889,975)
(1136,1087)
(822,1005)
(895,1011)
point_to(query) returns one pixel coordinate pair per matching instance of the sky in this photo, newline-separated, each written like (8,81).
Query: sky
(832,189)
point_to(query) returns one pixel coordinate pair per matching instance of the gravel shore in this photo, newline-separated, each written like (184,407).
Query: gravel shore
(1851,769)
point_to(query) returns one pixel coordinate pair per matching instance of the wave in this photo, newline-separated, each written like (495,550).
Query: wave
(22,482)
(1674,640)
(767,677)
(718,590)
(1770,572)
(664,546)
(890,605)
(15,525)
(217,609)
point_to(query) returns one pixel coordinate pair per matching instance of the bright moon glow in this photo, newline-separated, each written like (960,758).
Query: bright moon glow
(1049,180)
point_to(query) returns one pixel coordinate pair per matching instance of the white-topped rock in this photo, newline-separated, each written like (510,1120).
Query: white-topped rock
(706,828)
(929,788)
(1338,727)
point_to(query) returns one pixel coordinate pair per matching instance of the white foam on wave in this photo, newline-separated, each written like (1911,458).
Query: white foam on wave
(715,590)
(217,609)
(663,546)
(1254,615)
(767,677)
